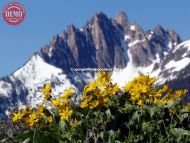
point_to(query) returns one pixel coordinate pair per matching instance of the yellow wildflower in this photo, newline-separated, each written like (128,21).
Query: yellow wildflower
(94,104)
(73,123)
(140,102)
(128,86)
(84,104)
(186,108)
(157,95)
(180,93)
(97,92)
(67,94)
(17,116)
(32,119)
(65,114)
(150,80)
(40,110)
(156,101)
(56,102)
(49,119)
(46,90)
(164,89)
(105,100)
(115,89)
(143,88)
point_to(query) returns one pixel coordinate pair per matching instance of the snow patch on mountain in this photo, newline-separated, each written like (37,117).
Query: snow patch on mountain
(36,73)
(126,37)
(5,88)
(177,65)
(133,27)
(136,42)
(185,44)
(125,75)
(149,36)
(36,68)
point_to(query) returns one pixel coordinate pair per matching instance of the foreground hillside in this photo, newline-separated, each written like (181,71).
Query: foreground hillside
(140,112)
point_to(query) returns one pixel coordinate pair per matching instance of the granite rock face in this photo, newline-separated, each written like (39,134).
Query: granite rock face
(104,42)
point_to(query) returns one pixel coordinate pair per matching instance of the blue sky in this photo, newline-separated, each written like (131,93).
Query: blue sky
(45,19)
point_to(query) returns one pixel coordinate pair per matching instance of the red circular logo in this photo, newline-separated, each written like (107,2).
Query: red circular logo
(13,13)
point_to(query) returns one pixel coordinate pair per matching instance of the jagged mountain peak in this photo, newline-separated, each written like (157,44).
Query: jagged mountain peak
(97,20)
(122,19)
(100,38)
(100,16)
(71,29)
(159,30)
(171,35)
(174,36)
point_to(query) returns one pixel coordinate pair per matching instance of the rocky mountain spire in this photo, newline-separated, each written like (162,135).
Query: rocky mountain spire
(122,19)
(175,38)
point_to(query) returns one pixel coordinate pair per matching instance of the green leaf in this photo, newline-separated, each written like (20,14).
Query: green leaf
(108,113)
(24,135)
(27,140)
(36,136)
(180,132)
(151,110)
(136,116)
(62,125)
